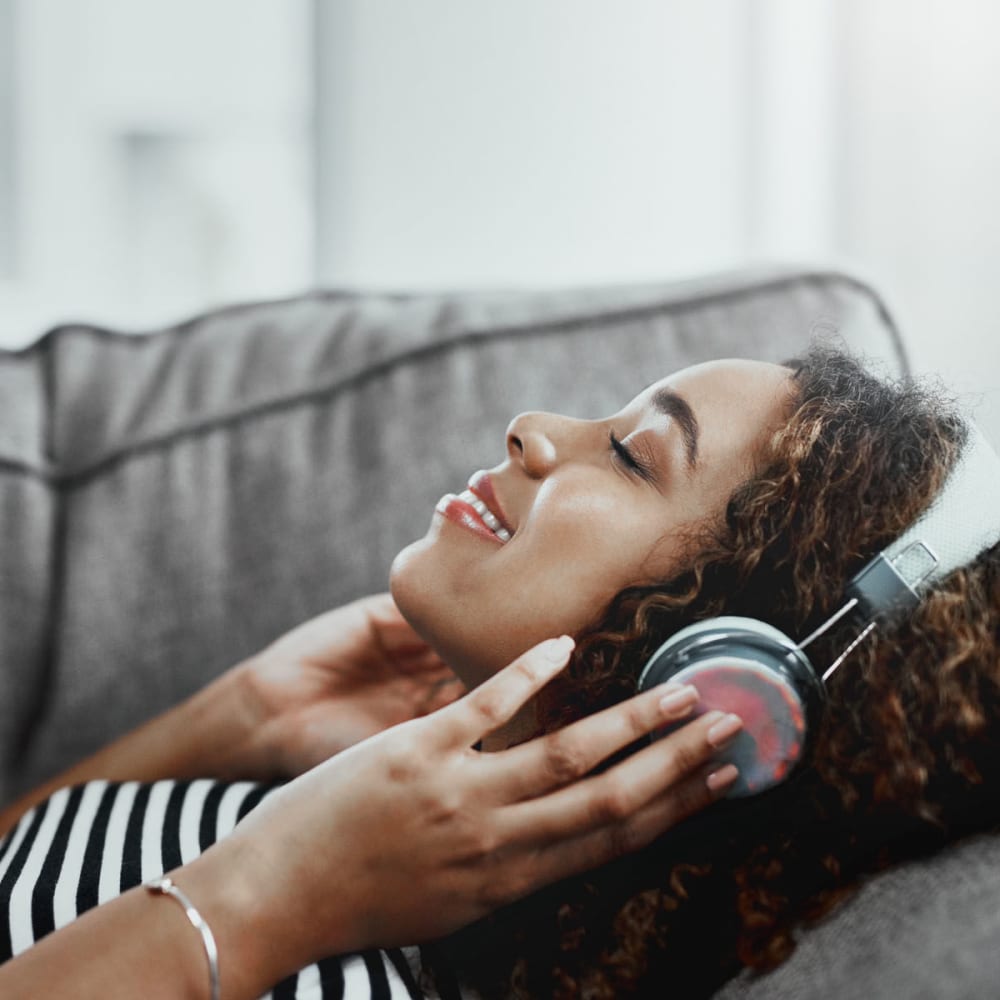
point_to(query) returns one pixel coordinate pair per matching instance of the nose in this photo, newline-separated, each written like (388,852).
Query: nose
(536,442)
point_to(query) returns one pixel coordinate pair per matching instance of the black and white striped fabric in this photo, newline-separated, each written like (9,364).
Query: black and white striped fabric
(87,844)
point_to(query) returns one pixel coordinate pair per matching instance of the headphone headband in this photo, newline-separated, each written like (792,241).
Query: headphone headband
(963,520)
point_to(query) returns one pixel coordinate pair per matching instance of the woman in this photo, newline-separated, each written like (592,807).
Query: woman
(906,758)
(733,487)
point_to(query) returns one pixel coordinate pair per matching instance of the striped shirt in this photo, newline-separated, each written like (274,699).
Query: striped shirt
(87,844)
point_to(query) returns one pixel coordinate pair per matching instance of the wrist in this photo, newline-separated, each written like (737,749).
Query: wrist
(213,734)
(237,706)
(259,752)
(232,894)
(258,891)
(165,887)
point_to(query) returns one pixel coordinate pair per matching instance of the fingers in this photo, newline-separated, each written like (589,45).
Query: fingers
(497,700)
(597,847)
(616,803)
(568,754)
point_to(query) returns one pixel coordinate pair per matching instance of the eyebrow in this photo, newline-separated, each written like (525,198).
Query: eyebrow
(670,404)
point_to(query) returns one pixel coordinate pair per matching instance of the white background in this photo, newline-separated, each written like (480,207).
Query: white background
(169,156)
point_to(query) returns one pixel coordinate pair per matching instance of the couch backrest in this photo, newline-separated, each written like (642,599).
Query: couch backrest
(171,502)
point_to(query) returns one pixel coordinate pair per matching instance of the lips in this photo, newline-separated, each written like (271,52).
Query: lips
(477,510)
(460,511)
(482,486)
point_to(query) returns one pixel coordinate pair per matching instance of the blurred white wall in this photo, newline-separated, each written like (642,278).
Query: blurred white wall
(919,187)
(162,158)
(532,143)
(577,141)
(169,156)
(8,103)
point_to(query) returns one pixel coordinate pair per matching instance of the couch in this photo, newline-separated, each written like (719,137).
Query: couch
(171,502)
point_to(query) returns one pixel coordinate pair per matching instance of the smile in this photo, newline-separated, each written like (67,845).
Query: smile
(481,487)
(472,509)
(489,519)
(470,513)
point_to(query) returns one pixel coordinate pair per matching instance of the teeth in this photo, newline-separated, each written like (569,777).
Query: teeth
(486,514)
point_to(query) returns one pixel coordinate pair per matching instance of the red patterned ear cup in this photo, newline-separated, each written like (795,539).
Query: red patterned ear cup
(774,725)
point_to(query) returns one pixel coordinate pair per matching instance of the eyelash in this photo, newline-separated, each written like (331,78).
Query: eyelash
(627,458)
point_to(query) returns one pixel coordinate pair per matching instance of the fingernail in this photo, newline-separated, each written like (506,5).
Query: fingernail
(556,650)
(725,728)
(679,700)
(722,778)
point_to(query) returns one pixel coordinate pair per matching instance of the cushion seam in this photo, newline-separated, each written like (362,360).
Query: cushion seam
(694,299)
(183,327)
(468,337)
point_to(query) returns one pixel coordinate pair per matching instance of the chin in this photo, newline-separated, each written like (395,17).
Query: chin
(470,646)
(415,587)
(406,589)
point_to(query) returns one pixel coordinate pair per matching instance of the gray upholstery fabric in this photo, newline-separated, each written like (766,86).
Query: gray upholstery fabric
(923,931)
(181,498)
(27,549)
(169,503)
(190,494)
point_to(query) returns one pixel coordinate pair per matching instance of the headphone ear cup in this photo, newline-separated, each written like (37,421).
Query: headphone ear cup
(747,667)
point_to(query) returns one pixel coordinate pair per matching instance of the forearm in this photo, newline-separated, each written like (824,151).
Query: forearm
(212,734)
(143,945)
(407,836)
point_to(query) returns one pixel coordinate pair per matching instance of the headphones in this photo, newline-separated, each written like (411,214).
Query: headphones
(746,666)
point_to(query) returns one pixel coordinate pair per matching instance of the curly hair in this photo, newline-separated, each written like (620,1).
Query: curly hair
(905,759)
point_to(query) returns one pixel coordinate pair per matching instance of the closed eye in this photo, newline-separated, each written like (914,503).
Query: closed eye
(628,459)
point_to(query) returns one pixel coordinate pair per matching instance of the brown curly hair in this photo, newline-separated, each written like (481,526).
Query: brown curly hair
(905,759)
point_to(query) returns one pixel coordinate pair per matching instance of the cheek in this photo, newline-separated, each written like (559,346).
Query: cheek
(606,542)
(563,579)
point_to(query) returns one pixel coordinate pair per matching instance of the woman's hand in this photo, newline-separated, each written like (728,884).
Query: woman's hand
(322,687)
(405,837)
(413,834)
(338,679)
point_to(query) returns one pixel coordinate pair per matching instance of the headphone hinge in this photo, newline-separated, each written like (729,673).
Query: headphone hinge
(880,587)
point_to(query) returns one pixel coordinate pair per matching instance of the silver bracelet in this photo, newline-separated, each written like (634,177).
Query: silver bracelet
(165,887)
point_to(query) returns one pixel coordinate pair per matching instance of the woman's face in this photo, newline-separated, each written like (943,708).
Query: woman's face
(590,507)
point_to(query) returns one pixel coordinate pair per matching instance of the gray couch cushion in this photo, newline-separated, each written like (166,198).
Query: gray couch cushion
(177,500)
(923,931)
(27,547)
